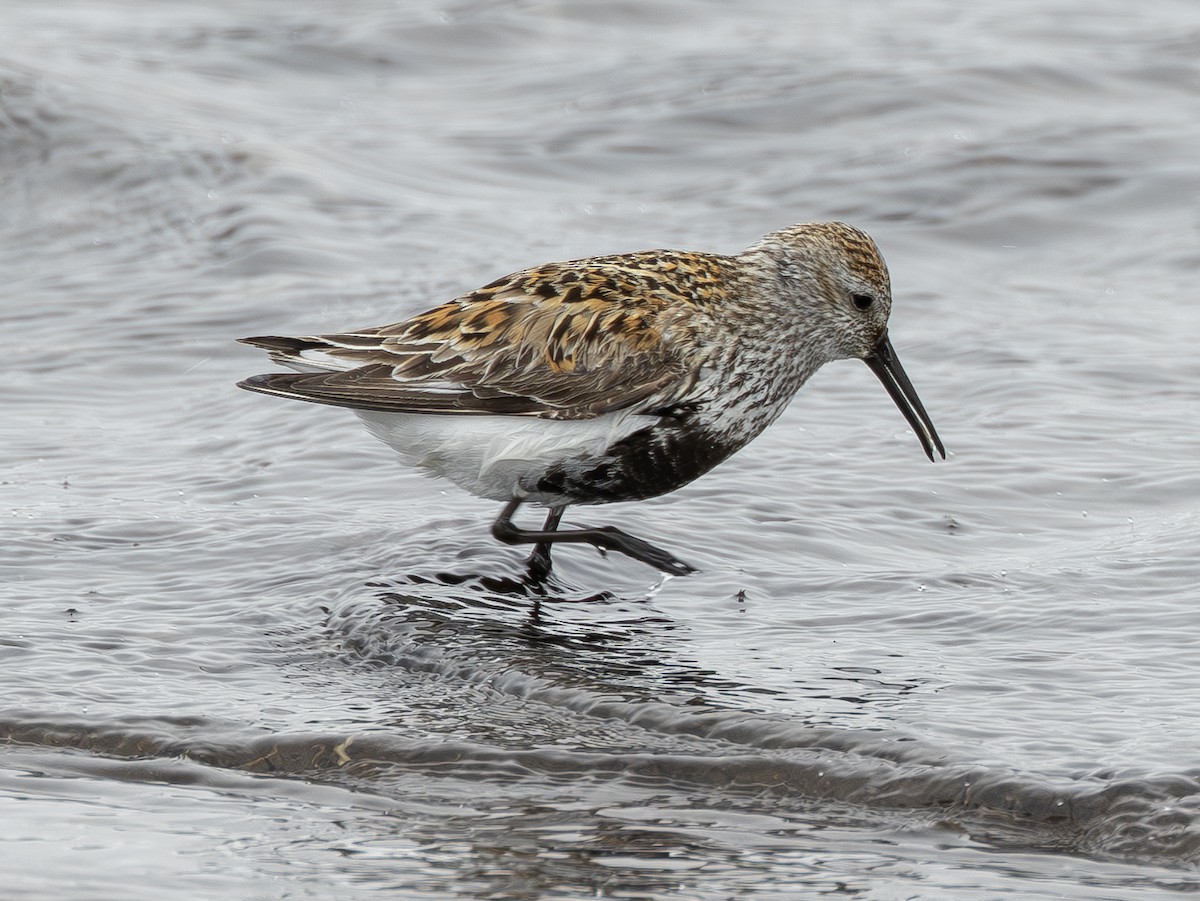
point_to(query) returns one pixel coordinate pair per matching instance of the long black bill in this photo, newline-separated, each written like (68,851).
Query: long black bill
(886,366)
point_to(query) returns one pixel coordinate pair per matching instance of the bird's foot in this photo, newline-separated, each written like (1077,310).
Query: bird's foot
(613,539)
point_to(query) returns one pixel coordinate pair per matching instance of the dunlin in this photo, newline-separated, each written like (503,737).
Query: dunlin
(613,378)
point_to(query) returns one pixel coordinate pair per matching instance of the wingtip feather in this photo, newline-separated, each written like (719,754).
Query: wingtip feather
(258,383)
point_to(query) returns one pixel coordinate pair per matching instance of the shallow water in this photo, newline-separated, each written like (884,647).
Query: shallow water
(245,654)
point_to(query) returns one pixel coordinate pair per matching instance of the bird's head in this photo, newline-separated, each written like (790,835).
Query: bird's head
(835,293)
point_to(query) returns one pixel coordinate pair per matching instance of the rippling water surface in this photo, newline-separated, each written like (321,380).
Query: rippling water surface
(244,654)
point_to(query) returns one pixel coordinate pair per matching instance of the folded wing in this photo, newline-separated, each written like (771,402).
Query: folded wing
(565,341)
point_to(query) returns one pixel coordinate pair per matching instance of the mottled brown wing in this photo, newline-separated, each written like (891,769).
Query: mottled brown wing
(567,340)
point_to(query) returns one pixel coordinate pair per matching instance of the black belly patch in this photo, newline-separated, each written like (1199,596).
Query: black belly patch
(650,462)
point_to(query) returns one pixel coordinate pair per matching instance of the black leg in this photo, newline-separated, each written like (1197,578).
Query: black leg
(606,537)
(539,561)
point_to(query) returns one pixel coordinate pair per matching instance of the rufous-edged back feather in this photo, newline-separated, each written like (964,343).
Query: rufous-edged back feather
(568,340)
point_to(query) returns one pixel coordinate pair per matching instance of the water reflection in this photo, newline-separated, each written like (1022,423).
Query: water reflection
(532,587)
(612,643)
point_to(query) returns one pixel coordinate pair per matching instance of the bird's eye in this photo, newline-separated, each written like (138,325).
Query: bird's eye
(862,301)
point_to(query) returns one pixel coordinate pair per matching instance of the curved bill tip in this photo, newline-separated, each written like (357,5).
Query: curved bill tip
(886,366)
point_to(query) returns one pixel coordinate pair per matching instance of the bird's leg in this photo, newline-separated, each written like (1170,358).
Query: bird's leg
(539,561)
(606,537)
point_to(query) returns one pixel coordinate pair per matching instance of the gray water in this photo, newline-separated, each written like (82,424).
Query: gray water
(244,654)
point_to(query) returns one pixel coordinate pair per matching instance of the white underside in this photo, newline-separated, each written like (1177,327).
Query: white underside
(496,456)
